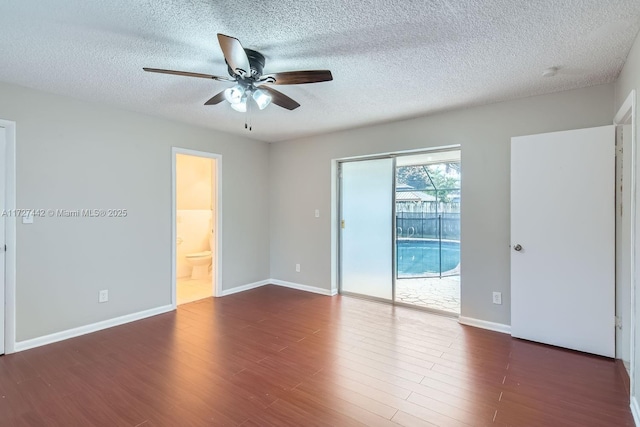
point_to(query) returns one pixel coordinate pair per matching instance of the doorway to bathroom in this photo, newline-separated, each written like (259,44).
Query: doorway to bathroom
(196,182)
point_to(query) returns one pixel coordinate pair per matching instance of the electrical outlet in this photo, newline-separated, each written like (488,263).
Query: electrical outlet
(103,296)
(497,297)
(297,268)
(317,213)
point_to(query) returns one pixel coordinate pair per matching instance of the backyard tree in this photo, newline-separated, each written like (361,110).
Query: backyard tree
(443,177)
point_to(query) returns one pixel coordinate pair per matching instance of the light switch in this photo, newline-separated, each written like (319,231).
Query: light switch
(317,213)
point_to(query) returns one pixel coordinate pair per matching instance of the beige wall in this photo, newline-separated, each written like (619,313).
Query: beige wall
(73,155)
(301,183)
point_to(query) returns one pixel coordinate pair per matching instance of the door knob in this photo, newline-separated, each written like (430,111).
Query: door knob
(517,248)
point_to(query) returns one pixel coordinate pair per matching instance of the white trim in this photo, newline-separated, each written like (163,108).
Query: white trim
(10,238)
(217,212)
(335,236)
(627,115)
(483,324)
(401,153)
(635,410)
(246,287)
(306,288)
(94,327)
(626,110)
(82,330)
(284,284)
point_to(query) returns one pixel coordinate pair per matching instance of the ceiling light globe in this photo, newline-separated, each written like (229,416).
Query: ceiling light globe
(262,98)
(240,106)
(234,94)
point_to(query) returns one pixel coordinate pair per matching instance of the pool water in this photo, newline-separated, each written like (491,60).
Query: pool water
(422,257)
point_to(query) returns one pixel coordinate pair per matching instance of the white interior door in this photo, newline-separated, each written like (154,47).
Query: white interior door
(366,238)
(562,239)
(3,171)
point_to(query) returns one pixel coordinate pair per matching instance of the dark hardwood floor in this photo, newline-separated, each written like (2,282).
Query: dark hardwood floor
(279,357)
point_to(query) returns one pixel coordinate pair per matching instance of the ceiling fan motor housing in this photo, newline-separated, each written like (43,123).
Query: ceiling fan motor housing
(256,62)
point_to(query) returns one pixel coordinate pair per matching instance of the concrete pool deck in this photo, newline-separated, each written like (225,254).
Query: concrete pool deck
(430,292)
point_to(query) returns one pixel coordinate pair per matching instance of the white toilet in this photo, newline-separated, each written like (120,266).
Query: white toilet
(200,262)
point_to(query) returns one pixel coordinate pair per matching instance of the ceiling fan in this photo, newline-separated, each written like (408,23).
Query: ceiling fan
(245,69)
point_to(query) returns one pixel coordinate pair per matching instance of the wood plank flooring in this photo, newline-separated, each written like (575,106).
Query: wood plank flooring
(279,357)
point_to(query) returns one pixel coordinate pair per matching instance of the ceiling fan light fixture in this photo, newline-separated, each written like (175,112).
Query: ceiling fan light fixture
(240,106)
(262,98)
(234,94)
(245,68)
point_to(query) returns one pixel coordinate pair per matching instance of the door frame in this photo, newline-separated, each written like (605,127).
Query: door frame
(10,238)
(217,212)
(336,207)
(627,115)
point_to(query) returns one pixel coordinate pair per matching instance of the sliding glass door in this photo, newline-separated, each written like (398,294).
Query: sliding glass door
(366,228)
(400,229)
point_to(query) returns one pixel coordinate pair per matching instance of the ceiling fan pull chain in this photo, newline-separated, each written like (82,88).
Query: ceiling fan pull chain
(249,108)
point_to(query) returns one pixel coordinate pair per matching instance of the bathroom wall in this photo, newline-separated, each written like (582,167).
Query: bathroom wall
(192,232)
(194,191)
(193,182)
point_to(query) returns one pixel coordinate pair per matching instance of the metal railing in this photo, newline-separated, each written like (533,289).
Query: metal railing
(427,225)
(433,230)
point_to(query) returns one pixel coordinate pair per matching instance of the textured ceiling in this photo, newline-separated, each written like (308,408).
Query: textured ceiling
(390,59)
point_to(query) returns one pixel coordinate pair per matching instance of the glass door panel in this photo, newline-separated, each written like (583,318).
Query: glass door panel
(366,228)
(428,230)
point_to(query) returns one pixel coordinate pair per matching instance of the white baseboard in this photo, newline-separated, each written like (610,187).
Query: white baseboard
(94,327)
(483,324)
(282,283)
(305,288)
(244,287)
(635,410)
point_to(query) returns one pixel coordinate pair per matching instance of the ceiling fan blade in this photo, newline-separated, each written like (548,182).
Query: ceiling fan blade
(234,54)
(217,99)
(280,98)
(298,77)
(188,74)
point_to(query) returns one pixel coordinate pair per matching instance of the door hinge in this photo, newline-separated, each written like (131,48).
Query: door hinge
(342,224)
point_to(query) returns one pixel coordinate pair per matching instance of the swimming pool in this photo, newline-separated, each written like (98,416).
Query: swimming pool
(422,257)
